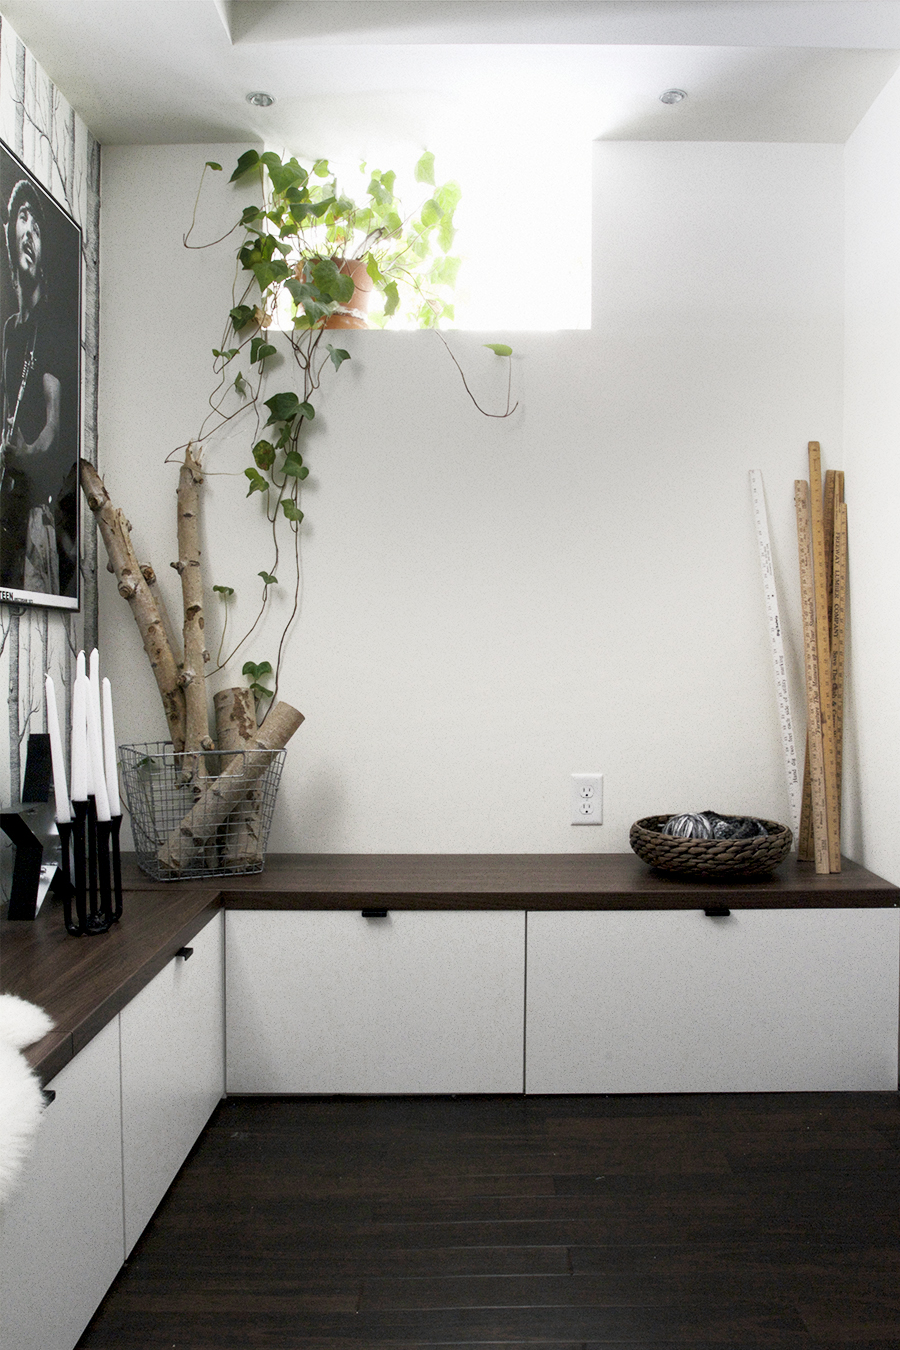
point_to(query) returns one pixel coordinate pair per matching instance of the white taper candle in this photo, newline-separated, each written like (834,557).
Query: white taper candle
(95,757)
(79,739)
(57,757)
(109,751)
(95,764)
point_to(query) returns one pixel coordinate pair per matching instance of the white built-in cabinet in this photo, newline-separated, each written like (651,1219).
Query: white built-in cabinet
(614,1001)
(125,1113)
(61,1242)
(172,1071)
(323,1001)
(674,1001)
(445,1001)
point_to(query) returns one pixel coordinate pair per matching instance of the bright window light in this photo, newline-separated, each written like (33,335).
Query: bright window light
(524,221)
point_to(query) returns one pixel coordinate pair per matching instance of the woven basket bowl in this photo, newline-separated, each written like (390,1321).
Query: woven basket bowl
(709,857)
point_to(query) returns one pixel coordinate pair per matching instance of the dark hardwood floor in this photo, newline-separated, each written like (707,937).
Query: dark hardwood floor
(567,1222)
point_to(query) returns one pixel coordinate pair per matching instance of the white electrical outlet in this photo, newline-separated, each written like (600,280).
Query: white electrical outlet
(586,798)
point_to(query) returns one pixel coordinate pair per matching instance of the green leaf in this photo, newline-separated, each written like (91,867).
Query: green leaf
(248,160)
(240,316)
(431,213)
(334,283)
(291,510)
(263,668)
(321,208)
(499,347)
(285,177)
(257,482)
(267,273)
(321,169)
(391,298)
(444,271)
(425,169)
(378,191)
(338,355)
(250,214)
(260,349)
(300,291)
(211,164)
(283,407)
(268,578)
(227,356)
(446,235)
(293,464)
(259,248)
(448,197)
(224,591)
(308,411)
(240,384)
(264,454)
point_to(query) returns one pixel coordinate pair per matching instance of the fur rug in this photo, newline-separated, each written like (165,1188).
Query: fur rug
(21,1102)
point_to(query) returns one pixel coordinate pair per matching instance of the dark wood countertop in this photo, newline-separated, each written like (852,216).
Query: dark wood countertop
(536,881)
(84,982)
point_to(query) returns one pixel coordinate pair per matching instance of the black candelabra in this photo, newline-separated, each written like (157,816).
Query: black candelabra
(95,880)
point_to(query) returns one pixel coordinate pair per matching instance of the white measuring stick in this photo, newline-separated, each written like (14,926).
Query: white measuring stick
(793,769)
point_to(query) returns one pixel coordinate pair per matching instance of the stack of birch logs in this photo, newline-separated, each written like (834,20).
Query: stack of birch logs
(822,539)
(221,773)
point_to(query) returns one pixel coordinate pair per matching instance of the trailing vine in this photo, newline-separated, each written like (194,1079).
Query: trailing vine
(303,247)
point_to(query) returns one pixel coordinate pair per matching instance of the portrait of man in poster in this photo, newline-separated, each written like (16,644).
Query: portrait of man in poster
(40,306)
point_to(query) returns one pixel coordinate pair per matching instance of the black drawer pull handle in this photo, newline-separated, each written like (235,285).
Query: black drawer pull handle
(374,913)
(718,912)
(48,1095)
(186,952)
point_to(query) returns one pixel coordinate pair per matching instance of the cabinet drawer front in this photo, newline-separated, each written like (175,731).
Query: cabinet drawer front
(765,1000)
(61,1242)
(172,1071)
(330,1001)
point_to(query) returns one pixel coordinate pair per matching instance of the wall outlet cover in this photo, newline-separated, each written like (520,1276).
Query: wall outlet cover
(586,799)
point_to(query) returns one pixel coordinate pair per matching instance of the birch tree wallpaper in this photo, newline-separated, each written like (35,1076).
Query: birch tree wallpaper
(39,126)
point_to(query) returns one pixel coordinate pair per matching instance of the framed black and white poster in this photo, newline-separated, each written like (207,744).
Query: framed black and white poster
(40,393)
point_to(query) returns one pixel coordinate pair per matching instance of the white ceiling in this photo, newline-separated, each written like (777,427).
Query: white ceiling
(351,75)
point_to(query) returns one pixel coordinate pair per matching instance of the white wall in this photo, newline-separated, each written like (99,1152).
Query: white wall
(873,469)
(487,605)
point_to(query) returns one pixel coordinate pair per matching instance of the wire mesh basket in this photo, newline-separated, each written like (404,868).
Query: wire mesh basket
(199,815)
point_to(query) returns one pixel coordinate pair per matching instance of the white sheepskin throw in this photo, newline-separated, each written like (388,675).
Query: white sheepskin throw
(21,1102)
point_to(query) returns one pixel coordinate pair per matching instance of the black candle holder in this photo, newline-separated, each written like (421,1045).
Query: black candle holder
(116,823)
(79,860)
(64,885)
(102,838)
(93,918)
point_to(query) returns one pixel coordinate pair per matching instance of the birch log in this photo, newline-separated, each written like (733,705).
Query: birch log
(236,726)
(173,638)
(242,843)
(219,797)
(196,733)
(116,536)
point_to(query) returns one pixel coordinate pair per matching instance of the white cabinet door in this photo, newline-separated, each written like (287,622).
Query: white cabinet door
(328,1001)
(172,1072)
(61,1241)
(673,1001)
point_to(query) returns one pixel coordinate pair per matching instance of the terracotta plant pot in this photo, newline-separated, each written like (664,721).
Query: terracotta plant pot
(354,314)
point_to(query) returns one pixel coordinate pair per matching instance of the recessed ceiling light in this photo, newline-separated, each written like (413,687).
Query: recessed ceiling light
(260,100)
(673,95)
